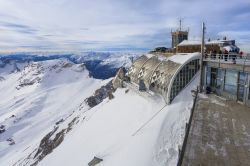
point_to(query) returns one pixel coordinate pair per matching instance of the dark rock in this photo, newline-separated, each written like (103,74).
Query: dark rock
(11,141)
(2,126)
(60,121)
(2,129)
(92,101)
(95,161)
(71,124)
(46,145)
(111,96)
(119,78)
(100,94)
(67,65)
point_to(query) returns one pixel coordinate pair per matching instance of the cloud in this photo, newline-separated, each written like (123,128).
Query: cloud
(18,27)
(84,24)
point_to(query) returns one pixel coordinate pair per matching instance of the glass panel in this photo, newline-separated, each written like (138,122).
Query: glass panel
(208,80)
(219,78)
(249,90)
(231,82)
(213,77)
(242,77)
(241,93)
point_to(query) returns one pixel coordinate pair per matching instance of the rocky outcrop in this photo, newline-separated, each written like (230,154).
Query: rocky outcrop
(95,161)
(2,129)
(49,142)
(119,78)
(27,82)
(100,94)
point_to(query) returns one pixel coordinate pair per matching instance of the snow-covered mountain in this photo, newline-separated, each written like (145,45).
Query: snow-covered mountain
(101,65)
(52,112)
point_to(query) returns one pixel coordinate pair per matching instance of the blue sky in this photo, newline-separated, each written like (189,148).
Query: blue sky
(79,25)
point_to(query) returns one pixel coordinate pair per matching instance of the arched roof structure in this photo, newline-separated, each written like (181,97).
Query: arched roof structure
(160,74)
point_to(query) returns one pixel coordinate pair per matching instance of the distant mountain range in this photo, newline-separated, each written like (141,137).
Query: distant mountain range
(101,65)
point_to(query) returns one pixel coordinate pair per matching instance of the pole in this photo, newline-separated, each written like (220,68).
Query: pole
(202,55)
(180,24)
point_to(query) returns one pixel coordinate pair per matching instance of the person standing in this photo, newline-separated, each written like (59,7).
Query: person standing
(225,55)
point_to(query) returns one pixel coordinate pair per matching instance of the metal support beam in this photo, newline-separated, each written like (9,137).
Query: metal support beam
(202,55)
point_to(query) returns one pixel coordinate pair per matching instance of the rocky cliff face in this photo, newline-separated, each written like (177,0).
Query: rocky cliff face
(100,94)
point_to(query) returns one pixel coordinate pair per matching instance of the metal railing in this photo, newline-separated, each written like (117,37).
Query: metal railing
(233,58)
(187,130)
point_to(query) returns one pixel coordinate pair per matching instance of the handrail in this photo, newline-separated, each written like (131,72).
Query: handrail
(227,57)
(188,126)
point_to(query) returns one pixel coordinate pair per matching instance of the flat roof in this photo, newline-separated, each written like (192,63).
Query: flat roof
(198,42)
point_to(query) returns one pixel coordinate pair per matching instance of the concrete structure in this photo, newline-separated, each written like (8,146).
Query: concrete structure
(189,46)
(178,36)
(165,75)
(228,75)
(219,134)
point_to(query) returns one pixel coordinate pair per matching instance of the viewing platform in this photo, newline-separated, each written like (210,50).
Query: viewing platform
(219,133)
(228,59)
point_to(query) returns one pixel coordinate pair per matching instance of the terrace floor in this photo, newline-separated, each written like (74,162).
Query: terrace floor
(219,134)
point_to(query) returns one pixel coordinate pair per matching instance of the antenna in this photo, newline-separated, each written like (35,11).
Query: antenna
(202,55)
(180,24)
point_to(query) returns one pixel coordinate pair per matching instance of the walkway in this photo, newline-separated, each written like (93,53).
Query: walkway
(219,134)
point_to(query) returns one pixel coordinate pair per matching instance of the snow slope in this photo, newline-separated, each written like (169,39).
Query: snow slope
(108,132)
(35,98)
(48,97)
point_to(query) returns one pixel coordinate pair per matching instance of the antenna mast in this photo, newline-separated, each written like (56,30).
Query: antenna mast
(180,24)
(202,55)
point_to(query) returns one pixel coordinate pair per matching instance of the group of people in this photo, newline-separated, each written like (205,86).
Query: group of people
(225,55)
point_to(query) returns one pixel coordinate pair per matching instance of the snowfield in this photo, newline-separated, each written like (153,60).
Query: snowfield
(29,111)
(49,96)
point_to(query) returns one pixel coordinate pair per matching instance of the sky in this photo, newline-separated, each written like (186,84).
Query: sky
(80,25)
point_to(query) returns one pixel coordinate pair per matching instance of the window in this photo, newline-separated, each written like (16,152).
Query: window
(213,77)
(231,81)
(184,77)
(219,79)
(242,77)
(208,79)
(249,91)
(241,86)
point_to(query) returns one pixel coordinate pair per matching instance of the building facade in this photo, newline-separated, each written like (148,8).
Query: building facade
(229,78)
(187,46)
(178,36)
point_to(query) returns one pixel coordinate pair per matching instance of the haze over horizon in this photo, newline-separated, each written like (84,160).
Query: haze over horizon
(81,25)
